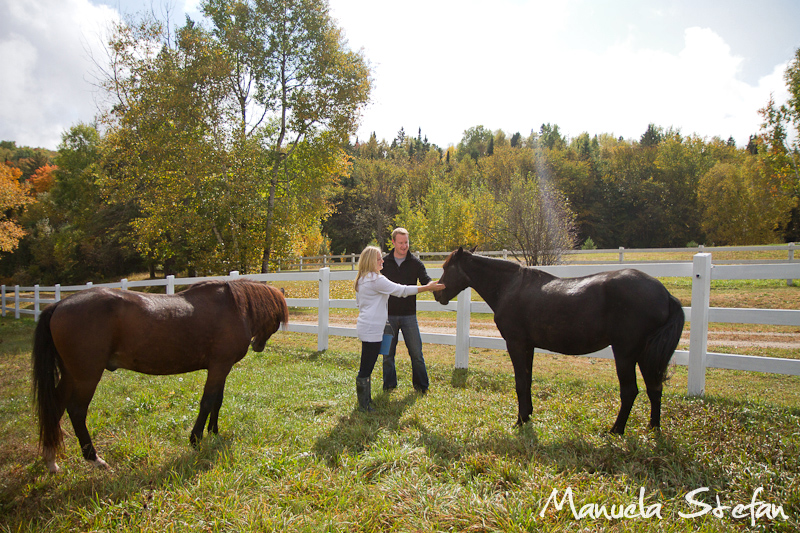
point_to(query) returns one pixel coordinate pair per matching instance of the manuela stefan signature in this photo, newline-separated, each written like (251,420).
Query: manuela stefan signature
(754,510)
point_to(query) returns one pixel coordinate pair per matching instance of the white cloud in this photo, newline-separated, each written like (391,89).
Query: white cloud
(450,66)
(45,49)
(445,66)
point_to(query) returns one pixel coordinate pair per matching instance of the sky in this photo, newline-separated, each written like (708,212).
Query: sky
(444,66)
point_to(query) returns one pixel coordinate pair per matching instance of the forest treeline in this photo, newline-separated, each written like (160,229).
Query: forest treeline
(662,190)
(181,172)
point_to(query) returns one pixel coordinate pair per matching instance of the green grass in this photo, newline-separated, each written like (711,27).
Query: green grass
(294,454)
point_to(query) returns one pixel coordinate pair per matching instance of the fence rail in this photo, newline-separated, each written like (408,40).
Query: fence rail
(700,270)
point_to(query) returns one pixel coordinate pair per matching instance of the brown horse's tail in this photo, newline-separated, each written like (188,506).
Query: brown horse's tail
(661,344)
(46,364)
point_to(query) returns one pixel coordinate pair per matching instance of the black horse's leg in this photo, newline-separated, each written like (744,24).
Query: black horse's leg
(522,360)
(77,406)
(654,393)
(626,373)
(212,398)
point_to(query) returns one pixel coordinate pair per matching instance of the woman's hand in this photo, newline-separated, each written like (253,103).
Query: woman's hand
(432,286)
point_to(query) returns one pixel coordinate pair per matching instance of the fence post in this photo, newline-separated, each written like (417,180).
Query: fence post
(301,264)
(170,284)
(57,296)
(462,328)
(324,306)
(124,282)
(16,301)
(698,331)
(790,282)
(352,261)
(36,303)
(621,254)
(3,301)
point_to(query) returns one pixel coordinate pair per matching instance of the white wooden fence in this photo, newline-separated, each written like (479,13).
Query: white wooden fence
(697,358)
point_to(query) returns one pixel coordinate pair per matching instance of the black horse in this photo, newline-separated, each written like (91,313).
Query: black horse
(208,326)
(626,309)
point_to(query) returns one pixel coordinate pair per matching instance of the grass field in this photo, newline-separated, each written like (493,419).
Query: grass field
(294,454)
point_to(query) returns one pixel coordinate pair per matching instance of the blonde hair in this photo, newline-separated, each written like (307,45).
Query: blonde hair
(368,262)
(399,231)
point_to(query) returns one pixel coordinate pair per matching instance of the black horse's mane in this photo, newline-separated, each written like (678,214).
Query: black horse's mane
(499,263)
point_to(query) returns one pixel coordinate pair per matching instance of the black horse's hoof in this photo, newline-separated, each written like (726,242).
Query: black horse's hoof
(194,440)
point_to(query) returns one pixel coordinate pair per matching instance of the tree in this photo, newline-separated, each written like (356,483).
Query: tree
(444,220)
(531,217)
(784,157)
(229,139)
(740,205)
(294,63)
(550,137)
(13,196)
(379,184)
(43,179)
(652,136)
(74,235)
(474,143)
(165,154)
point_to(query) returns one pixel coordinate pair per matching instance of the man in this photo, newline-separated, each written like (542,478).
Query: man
(404,268)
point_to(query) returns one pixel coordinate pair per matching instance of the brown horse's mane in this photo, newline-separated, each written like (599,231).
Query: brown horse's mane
(264,305)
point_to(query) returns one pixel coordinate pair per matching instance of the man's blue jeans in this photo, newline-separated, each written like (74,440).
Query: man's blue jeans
(419,374)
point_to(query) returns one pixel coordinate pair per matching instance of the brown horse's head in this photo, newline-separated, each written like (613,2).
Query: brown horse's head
(453,277)
(264,308)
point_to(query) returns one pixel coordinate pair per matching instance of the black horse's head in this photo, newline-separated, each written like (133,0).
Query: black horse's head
(454,278)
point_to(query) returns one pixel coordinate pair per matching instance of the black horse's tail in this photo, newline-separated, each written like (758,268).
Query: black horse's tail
(661,344)
(46,364)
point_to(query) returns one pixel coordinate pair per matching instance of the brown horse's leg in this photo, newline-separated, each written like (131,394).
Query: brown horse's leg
(522,360)
(77,406)
(210,404)
(213,419)
(626,373)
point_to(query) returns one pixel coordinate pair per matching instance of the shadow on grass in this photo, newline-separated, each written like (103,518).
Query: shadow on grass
(356,431)
(663,461)
(29,493)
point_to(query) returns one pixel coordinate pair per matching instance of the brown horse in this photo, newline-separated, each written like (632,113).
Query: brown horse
(208,326)
(626,309)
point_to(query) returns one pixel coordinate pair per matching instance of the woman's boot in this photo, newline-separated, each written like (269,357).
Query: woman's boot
(364,394)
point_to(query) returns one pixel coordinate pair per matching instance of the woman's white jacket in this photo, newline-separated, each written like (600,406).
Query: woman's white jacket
(372,300)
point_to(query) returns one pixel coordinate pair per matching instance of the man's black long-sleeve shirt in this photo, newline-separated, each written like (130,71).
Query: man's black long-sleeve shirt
(411,271)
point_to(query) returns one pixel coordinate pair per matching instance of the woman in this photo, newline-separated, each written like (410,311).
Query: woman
(372,297)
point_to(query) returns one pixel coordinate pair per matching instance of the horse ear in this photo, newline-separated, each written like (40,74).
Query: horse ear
(460,249)
(473,249)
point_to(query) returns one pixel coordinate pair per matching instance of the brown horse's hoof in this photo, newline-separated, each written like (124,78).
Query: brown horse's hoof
(99,463)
